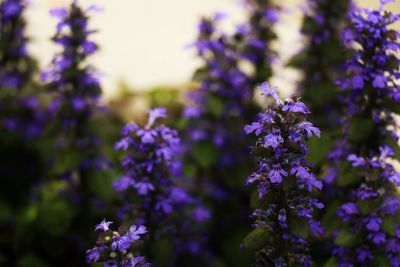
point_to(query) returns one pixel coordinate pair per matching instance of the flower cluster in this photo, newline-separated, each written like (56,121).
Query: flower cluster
(75,91)
(321,59)
(20,109)
(15,64)
(256,36)
(73,81)
(369,233)
(118,248)
(152,186)
(223,91)
(284,183)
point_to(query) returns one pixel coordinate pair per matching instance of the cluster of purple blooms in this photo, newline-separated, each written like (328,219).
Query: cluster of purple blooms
(370,208)
(152,186)
(75,89)
(118,248)
(14,61)
(71,79)
(284,181)
(20,110)
(321,59)
(257,34)
(223,91)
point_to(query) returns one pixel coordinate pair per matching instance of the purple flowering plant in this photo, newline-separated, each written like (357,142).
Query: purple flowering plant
(320,62)
(21,113)
(367,181)
(74,88)
(284,203)
(218,109)
(118,248)
(153,189)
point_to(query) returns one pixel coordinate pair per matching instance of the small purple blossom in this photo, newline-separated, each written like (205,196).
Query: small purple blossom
(103,225)
(298,107)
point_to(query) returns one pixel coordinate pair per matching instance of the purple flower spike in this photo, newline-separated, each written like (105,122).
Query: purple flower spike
(282,132)
(369,195)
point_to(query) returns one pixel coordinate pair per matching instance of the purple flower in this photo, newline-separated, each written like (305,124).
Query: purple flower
(373,224)
(103,225)
(276,175)
(363,255)
(299,107)
(358,82)
(148,136)
(121,243)
(309,128)
(123,183)
(123,144)
(282,219)
(135,232)
(201,214)
(379,81)
(144,187)
(271,91)
(273,140)
(11,9)
(395,179)
(255,126)
(155,114)
(356,161)
(377,237)
(60,13)
(93,255)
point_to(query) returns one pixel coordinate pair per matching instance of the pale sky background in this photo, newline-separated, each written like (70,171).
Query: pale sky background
(143,42)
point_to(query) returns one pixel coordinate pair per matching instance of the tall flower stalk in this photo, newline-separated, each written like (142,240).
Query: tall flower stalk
(284,203)
(20,112)
(219,107)
(73,84)
(257,34)
(321,59)
(21,121)
(76,158)
(153,191)
(367,233)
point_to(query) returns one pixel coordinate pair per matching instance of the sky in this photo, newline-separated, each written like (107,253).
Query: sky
(145,42)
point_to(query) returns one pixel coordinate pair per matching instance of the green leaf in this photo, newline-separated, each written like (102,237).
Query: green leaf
(161,251)
(100,183)
(205,153)
(346,239)
(54,216)
(319,148)
(5,211)
(30,261)
(257,203)
(215,105)
(299,227)
(332,262)
(389,226)
(330,221)
(367,206)
(348,175)
(257,239)
(380,261)
(360,129)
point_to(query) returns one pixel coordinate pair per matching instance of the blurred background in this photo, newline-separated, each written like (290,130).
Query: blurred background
(145,44)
